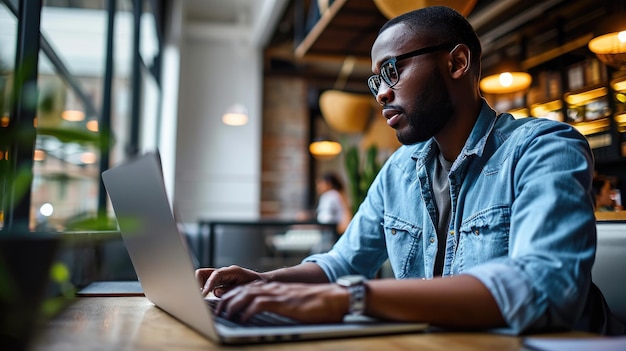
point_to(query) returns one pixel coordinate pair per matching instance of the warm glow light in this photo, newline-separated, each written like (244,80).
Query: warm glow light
(619,85)
(4,121)
(39,155)
(612,43)
(593,127)
(73,115)
(236,115)
(92,125)
(547,110)
(393,8)
(325,149)
(584,97)
(610,48)
(520,112)
(505,79)
(88,158)
(505,83)
(46,210)
(235,119)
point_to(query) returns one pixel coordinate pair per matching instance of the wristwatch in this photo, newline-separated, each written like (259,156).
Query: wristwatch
(356,286)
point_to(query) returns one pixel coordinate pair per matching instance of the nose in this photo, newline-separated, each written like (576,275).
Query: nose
(385,93)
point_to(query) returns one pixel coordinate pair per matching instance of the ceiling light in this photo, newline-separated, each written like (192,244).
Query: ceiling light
(236,115)
(505,77)
(505,82)
(609,45)
(73,115)
(324,148)
(394,8)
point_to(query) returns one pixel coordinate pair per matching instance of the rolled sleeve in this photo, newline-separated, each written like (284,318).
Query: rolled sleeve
(521,306)
(331,263)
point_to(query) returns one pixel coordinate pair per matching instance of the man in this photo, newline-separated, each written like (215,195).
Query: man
(487,221)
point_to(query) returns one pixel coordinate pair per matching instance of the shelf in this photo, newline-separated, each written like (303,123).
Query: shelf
(588,105)
(550,110)
(620,120)
(593,127)
(585,97)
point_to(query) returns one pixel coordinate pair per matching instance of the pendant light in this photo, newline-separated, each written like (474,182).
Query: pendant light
(236,115)
(324,148)
(609,45)
(505,77)
(394,8)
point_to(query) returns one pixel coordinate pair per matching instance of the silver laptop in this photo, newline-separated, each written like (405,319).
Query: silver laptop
(164,265)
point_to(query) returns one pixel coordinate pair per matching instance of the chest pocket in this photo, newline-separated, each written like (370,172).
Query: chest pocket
(403,241)
(483,236)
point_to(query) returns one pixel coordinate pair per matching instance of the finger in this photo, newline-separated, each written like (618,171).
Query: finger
(226,297)
(261,304)
(221,290)
(227,277)
(222,280)
(202,276)
(213,281)
(236,301)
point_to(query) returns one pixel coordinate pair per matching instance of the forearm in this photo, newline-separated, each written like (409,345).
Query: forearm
(460,301)
(303,273)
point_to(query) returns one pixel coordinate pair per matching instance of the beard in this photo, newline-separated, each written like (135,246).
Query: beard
(433,109)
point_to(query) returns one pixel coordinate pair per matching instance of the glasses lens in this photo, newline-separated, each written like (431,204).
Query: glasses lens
(374,83)
(389,73)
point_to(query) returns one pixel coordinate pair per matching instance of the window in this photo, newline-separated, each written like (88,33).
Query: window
(87,106)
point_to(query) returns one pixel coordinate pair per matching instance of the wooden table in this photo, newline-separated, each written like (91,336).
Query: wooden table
(134,323)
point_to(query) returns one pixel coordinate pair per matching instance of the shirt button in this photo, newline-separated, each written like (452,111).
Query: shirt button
(451,232)
(432,240)
(393,232)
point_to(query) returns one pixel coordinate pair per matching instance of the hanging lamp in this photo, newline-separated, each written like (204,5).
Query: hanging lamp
(324,148)
(609,44)
(394,8)
(236,115)
(506,77)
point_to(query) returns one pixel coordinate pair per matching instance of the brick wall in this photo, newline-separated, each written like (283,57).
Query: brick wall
(285,164)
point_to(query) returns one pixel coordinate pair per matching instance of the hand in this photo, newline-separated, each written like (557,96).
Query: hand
(307,303)
(222,280)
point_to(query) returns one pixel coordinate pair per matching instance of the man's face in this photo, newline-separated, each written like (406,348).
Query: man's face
(418,106)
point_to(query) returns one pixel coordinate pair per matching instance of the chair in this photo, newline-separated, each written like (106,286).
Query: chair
(609,269)
(251,244)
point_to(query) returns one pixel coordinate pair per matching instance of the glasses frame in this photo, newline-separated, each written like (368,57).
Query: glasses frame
(374,81)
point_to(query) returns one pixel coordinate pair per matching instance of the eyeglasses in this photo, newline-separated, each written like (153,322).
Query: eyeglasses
(389,72)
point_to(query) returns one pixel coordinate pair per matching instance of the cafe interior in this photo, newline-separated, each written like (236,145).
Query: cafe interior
(248,102)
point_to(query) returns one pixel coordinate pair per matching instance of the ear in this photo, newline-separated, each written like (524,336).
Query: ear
(460,61)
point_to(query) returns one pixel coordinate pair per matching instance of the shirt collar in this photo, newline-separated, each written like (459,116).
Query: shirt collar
(475,143)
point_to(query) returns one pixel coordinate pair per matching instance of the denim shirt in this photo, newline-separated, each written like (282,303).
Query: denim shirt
(522,219)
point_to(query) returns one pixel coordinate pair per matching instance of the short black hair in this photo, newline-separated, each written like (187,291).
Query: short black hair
(333,180)
(445,24)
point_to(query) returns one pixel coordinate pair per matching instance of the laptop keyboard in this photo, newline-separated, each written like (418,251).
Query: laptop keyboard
(263,319)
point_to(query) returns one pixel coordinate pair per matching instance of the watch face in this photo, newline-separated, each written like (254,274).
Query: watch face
(349,280)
